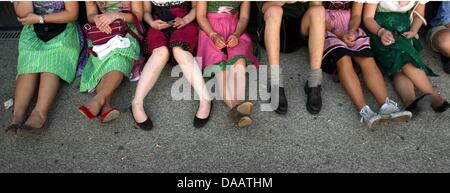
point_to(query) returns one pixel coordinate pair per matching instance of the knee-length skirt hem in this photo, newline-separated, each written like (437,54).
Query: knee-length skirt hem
(58,56)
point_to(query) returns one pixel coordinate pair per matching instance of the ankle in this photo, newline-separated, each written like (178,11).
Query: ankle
(100,99)
(137,103)
(41,113)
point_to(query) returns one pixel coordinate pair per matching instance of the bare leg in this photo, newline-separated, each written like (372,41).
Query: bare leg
(313,26)
(237,81)
(441,40)
(421,81)
(48,88)
(373,78)
(104,90)
(350,81)
(26,85)
(149,76)
(193,74)
(222,86)
(272,17)
(404,87)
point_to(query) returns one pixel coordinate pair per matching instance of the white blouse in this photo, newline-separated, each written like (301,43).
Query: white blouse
(396,6)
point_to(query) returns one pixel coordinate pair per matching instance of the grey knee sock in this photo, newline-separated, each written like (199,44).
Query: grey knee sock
(276,76)
(315,77)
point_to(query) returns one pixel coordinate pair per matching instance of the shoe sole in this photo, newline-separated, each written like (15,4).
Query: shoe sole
(246,108)
(404,116)
(281,112)
(374,122)
(111,116)
(245,122)
(310,110)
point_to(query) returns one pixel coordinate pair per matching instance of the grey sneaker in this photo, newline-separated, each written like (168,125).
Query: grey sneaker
(390,111)
(368,116)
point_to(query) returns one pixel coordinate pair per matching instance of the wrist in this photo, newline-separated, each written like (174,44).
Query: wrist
(212,34)
(380,31)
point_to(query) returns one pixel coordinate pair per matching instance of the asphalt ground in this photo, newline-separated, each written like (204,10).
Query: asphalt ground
(333,141)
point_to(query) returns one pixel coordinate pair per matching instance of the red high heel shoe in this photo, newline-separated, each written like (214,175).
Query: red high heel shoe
(86,112)
(109,115)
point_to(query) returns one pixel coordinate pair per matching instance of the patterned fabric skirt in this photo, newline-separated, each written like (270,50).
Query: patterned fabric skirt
(224,24)
(120,59)
(335,48)
(185,37)
(58,56)
(392,58)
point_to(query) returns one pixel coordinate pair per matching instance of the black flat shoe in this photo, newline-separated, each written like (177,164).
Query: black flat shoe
(442,108)
(282,101)
(314,98)
(147,125)
(199,123)
(446,64)
(412,107)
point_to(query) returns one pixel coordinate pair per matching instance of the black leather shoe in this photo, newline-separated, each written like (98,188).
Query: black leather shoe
(314,99)
(413,106)
(282,103)
(199,123)
(442,108)
(147,125)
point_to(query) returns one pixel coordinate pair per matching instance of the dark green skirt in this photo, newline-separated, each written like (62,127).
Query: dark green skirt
(392,58)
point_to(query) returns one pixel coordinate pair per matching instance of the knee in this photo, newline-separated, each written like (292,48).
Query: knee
(273,14)
(344,62)
(443,43)
(162,51)
(177,50)
(317,12)
(240,63)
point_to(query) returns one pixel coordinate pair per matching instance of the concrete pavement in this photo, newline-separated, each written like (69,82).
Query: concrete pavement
(333,141)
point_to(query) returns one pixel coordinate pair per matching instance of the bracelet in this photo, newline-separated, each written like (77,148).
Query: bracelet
(378,31)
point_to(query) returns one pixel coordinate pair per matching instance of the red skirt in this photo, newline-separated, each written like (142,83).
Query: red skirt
(185,37)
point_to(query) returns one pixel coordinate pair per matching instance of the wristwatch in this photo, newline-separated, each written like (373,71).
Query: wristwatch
(41,19)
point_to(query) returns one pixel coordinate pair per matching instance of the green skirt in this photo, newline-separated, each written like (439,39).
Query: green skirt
(120,59)
(392,58)
(58,56)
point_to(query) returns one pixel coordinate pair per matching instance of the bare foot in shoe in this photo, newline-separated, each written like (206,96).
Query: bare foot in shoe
(138,112)
(203,109)
(95,104)
(36,120)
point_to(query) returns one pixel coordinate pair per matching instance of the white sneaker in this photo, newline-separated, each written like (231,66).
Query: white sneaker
(368,116)
(390,111)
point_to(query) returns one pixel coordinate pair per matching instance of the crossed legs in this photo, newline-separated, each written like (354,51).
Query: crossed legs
(232,84)
(410,78)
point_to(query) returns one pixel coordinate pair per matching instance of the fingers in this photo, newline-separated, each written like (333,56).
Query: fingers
(390,36)
(408,35)
(220,43)
(232,41)
(178,22)
(106,30)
